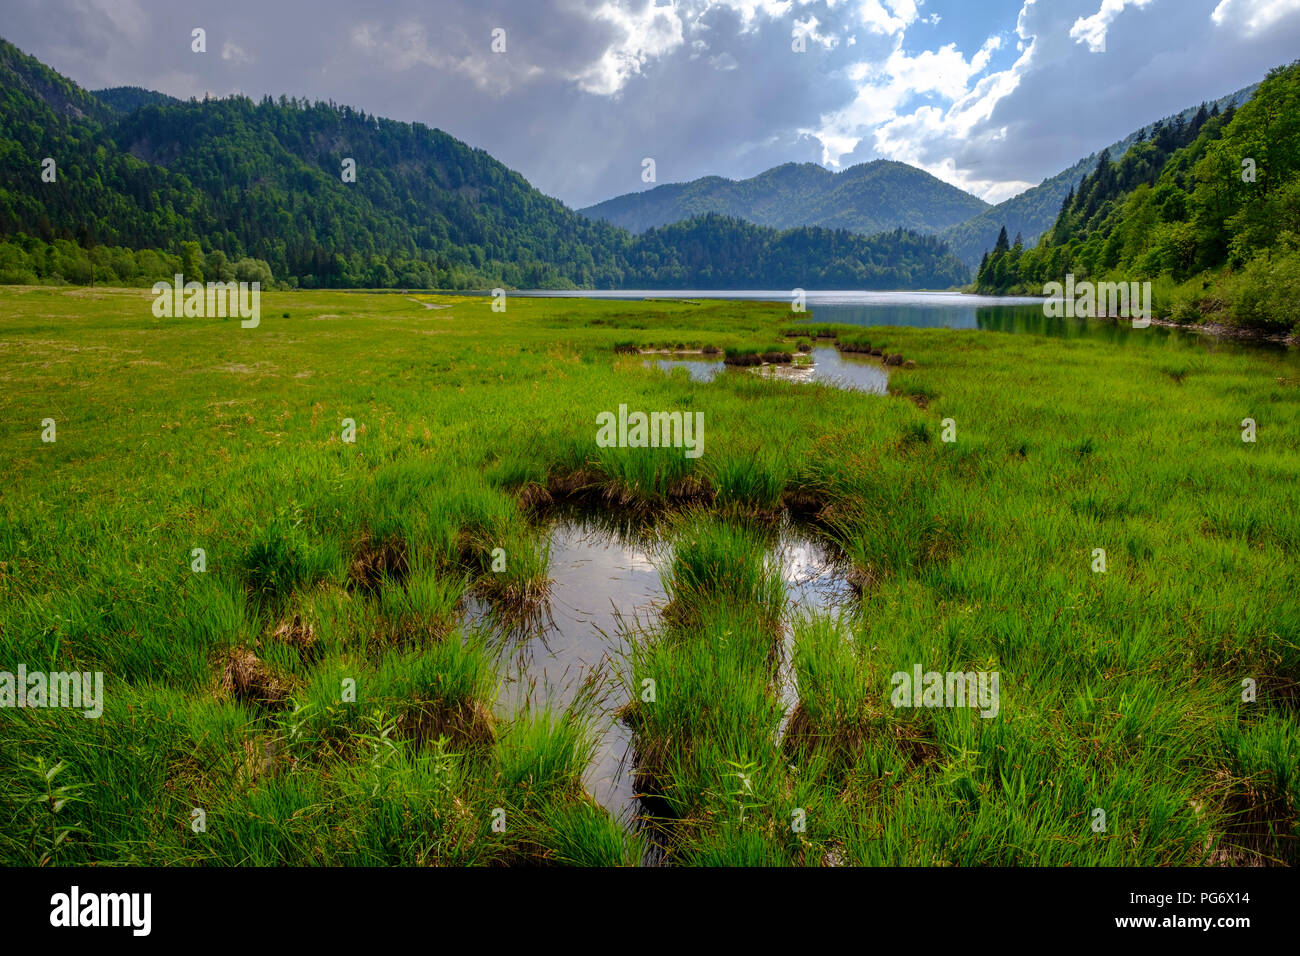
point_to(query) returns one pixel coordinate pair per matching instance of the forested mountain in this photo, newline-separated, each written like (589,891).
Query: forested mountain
(144,182)
(866,198)
(717,252)
(1207,209)
(1032,212)
(127,99)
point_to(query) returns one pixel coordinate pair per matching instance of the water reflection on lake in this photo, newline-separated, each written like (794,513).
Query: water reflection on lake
(851,371)
(938,310)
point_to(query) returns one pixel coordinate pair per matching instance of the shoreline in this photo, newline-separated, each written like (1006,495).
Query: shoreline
(1217,329)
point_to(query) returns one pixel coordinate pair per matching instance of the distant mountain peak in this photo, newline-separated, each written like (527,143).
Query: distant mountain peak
(870,197)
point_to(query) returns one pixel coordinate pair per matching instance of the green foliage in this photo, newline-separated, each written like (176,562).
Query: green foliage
(1032,212)
(1182,206)
(716,252)
(867,198)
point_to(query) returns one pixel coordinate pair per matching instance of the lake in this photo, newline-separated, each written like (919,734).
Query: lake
(939,310)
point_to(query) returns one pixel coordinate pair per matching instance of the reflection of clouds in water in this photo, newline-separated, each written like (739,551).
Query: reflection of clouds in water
(814,581)
(640,561)
(605,582)
(700,370)
(800,562)
(855,373)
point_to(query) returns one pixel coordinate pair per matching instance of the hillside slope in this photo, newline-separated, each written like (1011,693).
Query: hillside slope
(868,198)
(1207,210)
(1032,212)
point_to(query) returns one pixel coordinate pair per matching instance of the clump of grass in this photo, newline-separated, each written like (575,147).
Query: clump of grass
(721,563)
(747,483)
(640,478)
(281,558)
(542,756)
(748,355)
(1259,793)
(712,711)
(510,569)
(245,677)
(441,690)
(915,433)
(742,356)
(299,635)
(839,705)
(853,344)
(426,606)
(816,331)
(580,833)
(921,395)
(377,559)
(891,527)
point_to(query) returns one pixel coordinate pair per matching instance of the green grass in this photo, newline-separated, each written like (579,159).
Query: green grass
(336,561)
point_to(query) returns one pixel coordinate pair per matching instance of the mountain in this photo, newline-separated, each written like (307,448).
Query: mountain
(31,81)
(1032,212)
(867,198)
(207,184)
(1206,209)
(719,252)
(128,99)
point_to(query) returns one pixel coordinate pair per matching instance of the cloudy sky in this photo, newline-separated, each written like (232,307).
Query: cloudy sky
(990,95)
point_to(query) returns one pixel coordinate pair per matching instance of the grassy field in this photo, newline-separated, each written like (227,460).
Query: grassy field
(335,568)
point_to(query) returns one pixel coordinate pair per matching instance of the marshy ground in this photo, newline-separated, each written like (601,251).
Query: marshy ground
(338,685)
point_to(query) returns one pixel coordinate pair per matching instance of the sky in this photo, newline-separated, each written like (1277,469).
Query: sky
(992,96)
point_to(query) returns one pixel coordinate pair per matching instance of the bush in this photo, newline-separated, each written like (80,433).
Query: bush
(1266,293)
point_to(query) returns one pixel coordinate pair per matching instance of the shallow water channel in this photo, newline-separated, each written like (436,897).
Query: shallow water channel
(852,371)
(606,582)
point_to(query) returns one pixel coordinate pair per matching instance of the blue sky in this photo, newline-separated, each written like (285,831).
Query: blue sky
(990,95)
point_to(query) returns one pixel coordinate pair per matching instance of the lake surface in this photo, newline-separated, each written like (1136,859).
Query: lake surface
(939,310)
(848,370)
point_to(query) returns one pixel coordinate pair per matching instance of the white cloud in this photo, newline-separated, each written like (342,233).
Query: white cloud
(407,46)
(1252,17)
(646,34)
(1092,30)
(234,53)
(887,17)
(884,88)
(750,9)
(808,30)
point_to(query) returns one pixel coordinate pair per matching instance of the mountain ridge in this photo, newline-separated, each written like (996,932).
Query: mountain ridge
(1029,213)
(871,197)
(267,181)
(1032,212)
